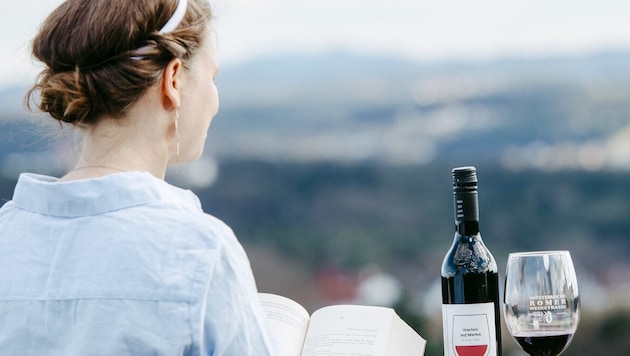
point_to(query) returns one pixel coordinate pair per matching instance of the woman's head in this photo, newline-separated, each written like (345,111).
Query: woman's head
(101,56)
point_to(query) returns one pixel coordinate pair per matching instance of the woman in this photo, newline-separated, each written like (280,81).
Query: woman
(110,259)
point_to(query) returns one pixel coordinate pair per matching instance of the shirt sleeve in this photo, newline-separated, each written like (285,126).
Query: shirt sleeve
(232,318)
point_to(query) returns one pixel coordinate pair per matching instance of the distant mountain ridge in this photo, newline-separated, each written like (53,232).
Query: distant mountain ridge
(343,66)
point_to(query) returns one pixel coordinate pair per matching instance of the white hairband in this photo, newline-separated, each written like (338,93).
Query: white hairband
(177,17)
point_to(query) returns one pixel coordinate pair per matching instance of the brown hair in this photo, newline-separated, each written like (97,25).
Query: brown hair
(100,56)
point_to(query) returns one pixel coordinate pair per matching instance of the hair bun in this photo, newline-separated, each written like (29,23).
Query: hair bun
(62,96)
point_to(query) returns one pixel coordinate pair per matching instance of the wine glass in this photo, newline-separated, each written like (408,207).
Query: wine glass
(541,301)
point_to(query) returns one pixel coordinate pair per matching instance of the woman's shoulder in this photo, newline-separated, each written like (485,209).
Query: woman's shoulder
(180,211)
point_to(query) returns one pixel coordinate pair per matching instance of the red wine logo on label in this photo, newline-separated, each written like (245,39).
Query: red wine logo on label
(471,335)
(475,350)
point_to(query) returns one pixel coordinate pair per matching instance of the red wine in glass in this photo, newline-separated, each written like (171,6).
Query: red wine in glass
(544,345)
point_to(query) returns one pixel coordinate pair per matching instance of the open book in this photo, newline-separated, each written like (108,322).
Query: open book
(352,330)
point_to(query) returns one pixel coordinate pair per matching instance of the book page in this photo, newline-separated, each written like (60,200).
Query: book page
(403,340)
(348,330)
(287,321)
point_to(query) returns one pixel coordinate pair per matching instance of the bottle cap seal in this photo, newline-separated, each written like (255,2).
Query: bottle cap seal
(465,176)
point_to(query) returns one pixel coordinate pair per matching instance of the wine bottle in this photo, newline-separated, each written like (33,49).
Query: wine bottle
(470,280)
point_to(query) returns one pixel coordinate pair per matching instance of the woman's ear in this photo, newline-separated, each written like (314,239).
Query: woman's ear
(171,83)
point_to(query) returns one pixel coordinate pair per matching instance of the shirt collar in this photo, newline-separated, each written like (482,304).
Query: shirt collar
(46,195)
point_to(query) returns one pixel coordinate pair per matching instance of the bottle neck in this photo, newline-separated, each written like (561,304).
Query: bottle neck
(466,205)
(467,228)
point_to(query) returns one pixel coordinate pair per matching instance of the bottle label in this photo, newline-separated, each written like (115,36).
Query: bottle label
(469,329)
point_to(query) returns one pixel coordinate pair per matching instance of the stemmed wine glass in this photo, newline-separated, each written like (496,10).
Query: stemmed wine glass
(541,301)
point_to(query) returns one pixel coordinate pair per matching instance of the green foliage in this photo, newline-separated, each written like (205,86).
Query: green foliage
(352,215)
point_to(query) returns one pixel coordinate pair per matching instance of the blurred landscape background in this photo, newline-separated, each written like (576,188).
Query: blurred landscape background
(339,125)
(335,172)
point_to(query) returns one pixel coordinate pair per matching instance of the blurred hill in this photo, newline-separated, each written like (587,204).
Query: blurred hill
(543,113)
(335,168)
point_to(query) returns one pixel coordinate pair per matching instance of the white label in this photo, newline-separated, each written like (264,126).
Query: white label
(469,329)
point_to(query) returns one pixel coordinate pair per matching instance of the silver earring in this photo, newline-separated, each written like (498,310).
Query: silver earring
(177,134)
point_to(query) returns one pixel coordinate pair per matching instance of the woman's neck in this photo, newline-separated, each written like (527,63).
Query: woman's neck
(122,145)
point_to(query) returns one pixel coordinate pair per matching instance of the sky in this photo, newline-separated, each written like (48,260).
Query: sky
(427,30)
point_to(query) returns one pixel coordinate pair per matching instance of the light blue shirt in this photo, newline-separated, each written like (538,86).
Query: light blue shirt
(125,264)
